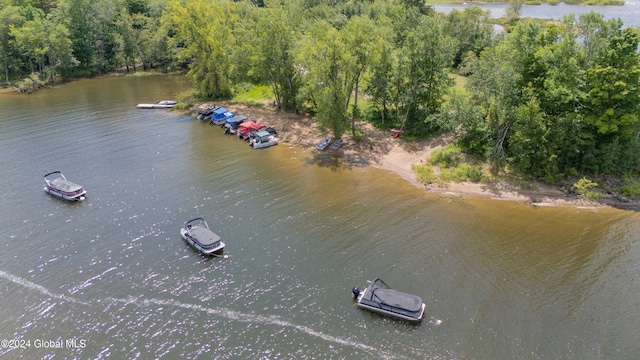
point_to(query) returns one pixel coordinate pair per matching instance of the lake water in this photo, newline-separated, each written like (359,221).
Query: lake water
(111,278)
(629,13)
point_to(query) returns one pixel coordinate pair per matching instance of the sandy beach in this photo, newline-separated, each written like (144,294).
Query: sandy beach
(380,149)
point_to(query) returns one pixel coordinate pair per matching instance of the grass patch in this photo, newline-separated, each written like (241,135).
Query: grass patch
(252,96)
(461,81)
(461,172)
(364,106)
(451,165)
(458,87)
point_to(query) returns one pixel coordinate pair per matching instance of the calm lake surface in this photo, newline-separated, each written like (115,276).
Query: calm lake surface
(629,13)
(501,280)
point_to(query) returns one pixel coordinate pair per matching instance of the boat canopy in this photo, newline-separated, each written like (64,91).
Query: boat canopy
(61,183)
(198,230)
(396,299)
(251,125)
(65,185)
(204,236)
(379,297)
(262,133)
(220,111)
(236,119)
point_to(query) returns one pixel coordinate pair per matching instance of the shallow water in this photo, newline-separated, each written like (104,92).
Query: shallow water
(501,280)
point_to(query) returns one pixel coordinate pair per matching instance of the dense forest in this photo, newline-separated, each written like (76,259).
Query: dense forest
(547,99)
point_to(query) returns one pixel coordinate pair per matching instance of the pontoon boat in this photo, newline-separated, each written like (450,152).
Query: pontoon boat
(380,298)
(196,232)
(56,184)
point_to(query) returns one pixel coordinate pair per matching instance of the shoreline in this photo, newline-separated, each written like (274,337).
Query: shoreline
(379,149)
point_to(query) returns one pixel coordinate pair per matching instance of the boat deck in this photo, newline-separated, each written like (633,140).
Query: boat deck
(204,236)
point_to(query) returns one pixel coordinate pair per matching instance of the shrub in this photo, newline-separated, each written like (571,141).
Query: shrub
(448,156)
(631,188)
(424,173)
(446,176)
(593,196)
(466,172)
(583,185)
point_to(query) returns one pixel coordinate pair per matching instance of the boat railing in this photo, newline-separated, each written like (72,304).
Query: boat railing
(379,281)
(55,172)
(189,224)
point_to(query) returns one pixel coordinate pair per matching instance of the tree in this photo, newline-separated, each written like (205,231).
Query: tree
(612,85)
(10,17)
(558,82)
(154,48)
(129,38)
(359,37)
(202,34)
(322,57)
(60,51)
(471,28)
(493,85)
(78,16)
(513,10)
(272,56)
(31,39)
(532,147)
(379,84)
(421,77)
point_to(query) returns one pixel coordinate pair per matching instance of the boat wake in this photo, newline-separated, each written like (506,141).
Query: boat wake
(220,312)
(250,318)
(39,288)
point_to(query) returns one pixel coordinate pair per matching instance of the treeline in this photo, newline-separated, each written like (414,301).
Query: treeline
(328,56)
(45,40)
(554,102)
(550,100)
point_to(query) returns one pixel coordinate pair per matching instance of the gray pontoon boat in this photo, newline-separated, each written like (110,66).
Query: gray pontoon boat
(380,298)
(196,232)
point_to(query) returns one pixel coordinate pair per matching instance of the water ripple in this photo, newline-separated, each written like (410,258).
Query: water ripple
(43,290)
(220,312)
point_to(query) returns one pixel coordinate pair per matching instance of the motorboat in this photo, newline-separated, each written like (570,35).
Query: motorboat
(232,124)
(162,104)
(380,298)
(56,184)
(263,139)
(219,115)
(205,111)
(323,144)
(196,233)
(269,129)
(246,128)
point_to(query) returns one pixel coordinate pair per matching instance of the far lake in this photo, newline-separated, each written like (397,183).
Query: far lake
(629,13)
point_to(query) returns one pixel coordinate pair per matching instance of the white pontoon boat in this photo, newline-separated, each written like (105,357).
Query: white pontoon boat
(56,184)
(263,139)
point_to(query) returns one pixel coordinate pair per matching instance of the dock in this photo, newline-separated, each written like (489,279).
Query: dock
(154,106)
